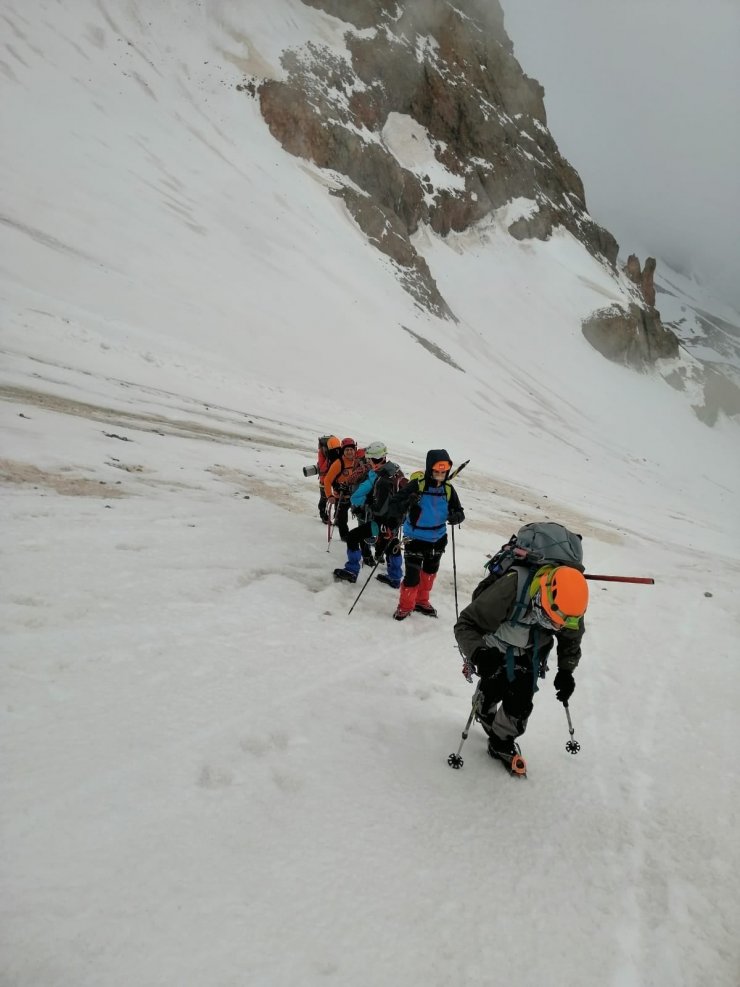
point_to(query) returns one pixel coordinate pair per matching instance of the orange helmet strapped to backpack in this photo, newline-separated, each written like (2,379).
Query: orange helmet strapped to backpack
(563,595)
(332,442)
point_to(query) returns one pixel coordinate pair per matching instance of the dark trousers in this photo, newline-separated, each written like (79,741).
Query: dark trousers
(422,556)
(386,542)
(341,518)
(515,696)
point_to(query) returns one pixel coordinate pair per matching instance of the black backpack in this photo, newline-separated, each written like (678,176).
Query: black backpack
(534,545)
(389,481)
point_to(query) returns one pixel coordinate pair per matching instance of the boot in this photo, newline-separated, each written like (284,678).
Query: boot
(383,577)
(507,751)
(406,601)
(351,569)
(426,581)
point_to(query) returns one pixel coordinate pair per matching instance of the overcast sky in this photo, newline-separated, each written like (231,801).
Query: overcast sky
(643,98)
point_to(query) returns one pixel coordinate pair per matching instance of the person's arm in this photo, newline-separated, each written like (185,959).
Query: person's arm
(455,512)
(485,614)
(360,495)
(333,472)
(569,648)
(399,502)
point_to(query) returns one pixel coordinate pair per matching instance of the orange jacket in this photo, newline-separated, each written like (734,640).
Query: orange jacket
(339,473)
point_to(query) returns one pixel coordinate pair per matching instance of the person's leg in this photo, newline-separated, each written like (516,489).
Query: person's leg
(352,566)
(389,547)
(414,557)
(394,559)
(342,521)
(491,688)
(430,567)
(514,712)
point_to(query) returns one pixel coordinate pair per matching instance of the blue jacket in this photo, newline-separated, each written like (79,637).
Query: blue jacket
(365,489)
(428,509)
(431,523)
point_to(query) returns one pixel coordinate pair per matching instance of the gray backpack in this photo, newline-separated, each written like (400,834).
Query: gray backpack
(534,545)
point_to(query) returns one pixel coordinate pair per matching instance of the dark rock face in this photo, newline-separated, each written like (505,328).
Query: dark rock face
(648,282)
(644,279)
(450,68)
(636,337)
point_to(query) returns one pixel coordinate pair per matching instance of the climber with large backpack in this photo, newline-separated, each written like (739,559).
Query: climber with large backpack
(534,596)
(337,485)
(429,503)
(328,450)
(369,503)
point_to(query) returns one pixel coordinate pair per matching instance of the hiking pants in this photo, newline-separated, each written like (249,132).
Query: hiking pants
(422,555)
(386,543)
(341,515)
(515,697)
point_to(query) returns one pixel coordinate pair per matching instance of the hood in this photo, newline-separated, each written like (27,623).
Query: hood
(434,456)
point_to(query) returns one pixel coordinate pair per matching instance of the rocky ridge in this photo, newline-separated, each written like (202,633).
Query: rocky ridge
(443,76)
(449,69)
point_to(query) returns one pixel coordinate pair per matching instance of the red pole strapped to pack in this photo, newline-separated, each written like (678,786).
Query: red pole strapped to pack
(648,580)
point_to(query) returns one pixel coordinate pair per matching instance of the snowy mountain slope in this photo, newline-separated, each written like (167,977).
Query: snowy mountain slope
(212,775)
(709,330)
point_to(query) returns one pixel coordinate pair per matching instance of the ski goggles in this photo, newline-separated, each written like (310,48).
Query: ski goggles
(441,467)
(554,620)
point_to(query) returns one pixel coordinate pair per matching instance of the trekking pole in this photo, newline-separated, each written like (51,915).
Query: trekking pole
(572,746)
(454,760)
(452,475)
(454,571)
(331,514)
(364,587)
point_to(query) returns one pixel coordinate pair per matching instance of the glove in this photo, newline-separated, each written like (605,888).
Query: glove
(564,686)
(485,661)
(331,501)
(357,511)
(456,517)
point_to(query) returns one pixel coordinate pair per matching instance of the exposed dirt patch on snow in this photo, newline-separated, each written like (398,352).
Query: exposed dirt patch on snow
(255,486)
(25,474)
(254,435)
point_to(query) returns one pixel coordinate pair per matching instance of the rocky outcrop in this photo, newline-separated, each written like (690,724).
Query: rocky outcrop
(448,68)
(635,337)
(644,279)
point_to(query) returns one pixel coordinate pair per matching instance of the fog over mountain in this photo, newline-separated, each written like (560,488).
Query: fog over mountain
(643,98)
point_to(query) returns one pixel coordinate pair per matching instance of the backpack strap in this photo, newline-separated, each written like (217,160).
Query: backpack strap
(422,484)
(524,596)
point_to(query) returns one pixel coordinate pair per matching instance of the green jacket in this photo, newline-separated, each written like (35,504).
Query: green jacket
(495,606)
